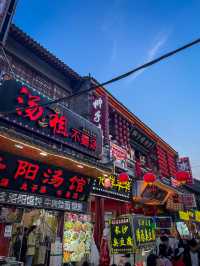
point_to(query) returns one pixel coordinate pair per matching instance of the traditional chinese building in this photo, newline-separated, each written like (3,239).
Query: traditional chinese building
(49,155)
(135,149)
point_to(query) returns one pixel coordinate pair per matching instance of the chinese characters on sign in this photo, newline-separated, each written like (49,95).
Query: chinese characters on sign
(19,174)
(23,199)
(144,230)
(117,190)
(63,126)
(183,164)
(119,154)
(122,241)
(186,215)
(99,113)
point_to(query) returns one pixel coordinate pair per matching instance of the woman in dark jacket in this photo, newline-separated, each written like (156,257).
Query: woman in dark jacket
(191,255)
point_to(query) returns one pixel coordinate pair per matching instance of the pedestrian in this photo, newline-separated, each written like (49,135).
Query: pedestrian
(24,246)
(165,241)
(31,245)
(17,244)
(179,257)
(163,255)
(153,260)
(191,255)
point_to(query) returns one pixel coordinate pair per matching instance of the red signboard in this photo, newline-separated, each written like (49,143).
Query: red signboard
(60,125)
(21,174)
(183,164)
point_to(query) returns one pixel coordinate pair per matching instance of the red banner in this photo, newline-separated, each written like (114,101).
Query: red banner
(117,152)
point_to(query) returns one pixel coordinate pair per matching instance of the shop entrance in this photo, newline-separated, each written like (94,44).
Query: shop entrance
(16,238)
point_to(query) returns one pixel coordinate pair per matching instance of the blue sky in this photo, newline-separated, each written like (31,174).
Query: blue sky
(107,38)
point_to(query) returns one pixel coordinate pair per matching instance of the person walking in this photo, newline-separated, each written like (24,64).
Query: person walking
(31,246)
(163,255)
(191,256)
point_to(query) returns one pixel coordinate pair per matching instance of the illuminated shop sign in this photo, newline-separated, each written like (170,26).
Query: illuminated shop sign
(20,174)
(115,190)
(60,125)
(122,241)
(144,230)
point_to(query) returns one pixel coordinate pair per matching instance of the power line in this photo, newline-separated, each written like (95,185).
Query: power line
(148,64)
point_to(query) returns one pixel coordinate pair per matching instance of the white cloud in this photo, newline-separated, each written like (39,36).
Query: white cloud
(159,43)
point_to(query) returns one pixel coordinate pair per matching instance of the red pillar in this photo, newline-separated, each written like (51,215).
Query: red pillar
(99,220)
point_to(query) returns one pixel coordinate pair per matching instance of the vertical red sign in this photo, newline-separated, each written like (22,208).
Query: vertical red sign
(99,113)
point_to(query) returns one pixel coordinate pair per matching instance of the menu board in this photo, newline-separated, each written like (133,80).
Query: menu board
(144,230)
(122,241)
(77,237)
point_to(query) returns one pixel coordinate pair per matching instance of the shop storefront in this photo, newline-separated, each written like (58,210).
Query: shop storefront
(45,187)
(37,194)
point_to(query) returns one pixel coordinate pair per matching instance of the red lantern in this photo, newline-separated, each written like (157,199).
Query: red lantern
(107,183)
(182,176)
(149,178)
(123,177)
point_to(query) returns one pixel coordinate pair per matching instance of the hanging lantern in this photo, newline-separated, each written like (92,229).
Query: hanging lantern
(123,177)
(182,176)
(107,183)
(149,178)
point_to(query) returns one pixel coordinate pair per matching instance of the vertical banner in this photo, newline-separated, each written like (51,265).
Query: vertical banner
(183,164)
(99,113)
(7,9)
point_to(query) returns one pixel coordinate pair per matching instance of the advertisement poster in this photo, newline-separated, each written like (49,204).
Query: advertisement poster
(77,237)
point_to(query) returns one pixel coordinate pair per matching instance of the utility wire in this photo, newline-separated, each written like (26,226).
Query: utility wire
(148,64)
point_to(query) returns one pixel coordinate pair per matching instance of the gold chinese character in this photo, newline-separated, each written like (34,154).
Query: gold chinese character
(124,229)
(153,234)
(112,180)
(101,180)
(142,236)
(150,235)
(115,242)
(138,237)
(129,241)
(122,243)
(146,235)
(117,230)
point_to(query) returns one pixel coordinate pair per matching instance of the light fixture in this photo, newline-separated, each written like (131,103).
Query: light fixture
(19,146)
(43,153)
(79,166)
